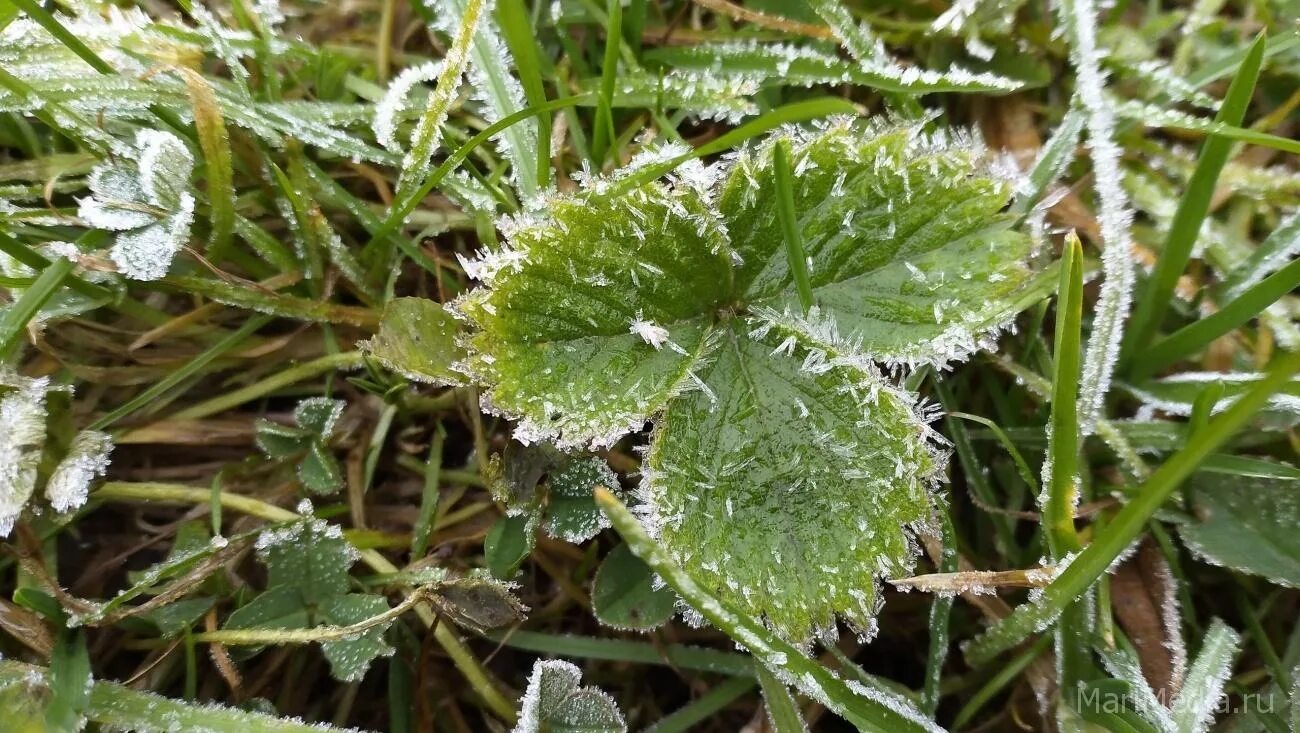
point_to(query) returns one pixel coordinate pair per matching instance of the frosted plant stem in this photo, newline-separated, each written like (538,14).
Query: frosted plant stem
(468,665)
(1079,17)
(428,133)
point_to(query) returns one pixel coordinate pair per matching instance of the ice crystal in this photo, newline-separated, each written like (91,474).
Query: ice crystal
(1079,17)
(144,197)
(22,437)
(86,460)
(396,101)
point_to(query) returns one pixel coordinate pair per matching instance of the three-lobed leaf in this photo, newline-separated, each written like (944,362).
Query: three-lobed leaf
(786,473)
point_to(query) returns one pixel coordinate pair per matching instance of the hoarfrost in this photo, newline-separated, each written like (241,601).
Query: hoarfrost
(22,437)
(396,100)
(1080,20)
(87,459)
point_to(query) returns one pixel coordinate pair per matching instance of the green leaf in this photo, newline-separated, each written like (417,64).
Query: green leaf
(788,493)
(417,339)
(279,441)
(554,703)
(318,415)
(623,594)
(595,315)
(910,258)
(70,681)
(508,542)
(318,471)
(1247,524)
(177,616)
(1194,708)
(278,608)
(349,659)
(308,555)
(626,301)
(571,512)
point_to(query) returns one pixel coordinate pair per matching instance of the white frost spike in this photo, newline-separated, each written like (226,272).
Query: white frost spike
(397,98)
(87,460)
(649,331)
(22,437)
(954,18)
(1080,20)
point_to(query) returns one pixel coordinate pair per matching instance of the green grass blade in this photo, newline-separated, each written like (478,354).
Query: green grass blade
(997,682)
(1051,162)
(867,713)
(782,711)
(512,17)
(1152,116)
(1154,299)
(794,251)
(699,709)
(428,131)
(1128,523)
(1197,335)
(192,368)
(21,312)
(604,132)
(623,650)
(1061,474)
(940,610)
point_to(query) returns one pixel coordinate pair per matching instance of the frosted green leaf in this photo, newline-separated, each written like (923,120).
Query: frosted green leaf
(785,492)
(309,555)
(571,512)
(554,703)
(417,339)
(1247,525)
(597,313)
(911,259)
(87,459)
(350,658)
(624,596)
(319,415)
(478,602)
(786,474)
(22,423)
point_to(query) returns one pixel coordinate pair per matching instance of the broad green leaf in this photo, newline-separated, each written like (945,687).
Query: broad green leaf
(350,658)
(623,594)
(318,470)
(308,555)
(554,703)
(1247,525)
(628,301)
(571,512)
(417,339)
(508,542)
(597,314)
(788,492)
(909,255)
(278,608)
(319,415)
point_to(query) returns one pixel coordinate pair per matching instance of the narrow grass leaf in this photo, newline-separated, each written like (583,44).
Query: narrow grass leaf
(1185,227)
(1199,334)
(782,711)
(1127,524)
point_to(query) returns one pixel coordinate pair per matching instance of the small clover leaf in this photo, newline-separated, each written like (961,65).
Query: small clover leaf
(143,195)
(571,511)
(554,702)
(786,472)
(307,565)
(314,422)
